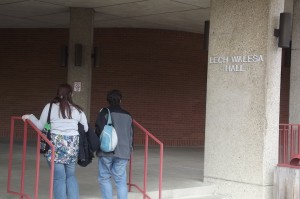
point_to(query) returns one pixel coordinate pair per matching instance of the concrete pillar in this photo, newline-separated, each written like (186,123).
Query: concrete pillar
(288,6)
(294,106)
(286,182)
(79,74)
(243,90)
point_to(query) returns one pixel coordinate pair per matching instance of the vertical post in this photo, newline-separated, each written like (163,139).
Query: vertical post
(279,151)
(285,145)
(298,139)
(51,171)
(11,142)
(24,157)
(161,169)
(37,167)
(291,148)
(145,165)
(130,173)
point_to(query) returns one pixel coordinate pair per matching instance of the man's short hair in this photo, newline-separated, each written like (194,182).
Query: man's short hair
(114,97)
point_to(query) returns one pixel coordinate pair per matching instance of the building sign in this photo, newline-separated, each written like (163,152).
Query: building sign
(235,63)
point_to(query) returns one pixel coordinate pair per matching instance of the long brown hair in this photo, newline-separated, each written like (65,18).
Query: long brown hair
(64,97)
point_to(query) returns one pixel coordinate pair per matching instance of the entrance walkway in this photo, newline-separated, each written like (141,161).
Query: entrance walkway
(183,170)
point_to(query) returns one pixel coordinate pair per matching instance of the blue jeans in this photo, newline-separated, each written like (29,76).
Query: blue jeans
(116,168)
(65,184)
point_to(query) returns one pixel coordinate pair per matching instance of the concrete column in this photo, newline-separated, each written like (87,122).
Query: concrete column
(286,182)
(288,6)
(81,32)
(294,106)
(243,90)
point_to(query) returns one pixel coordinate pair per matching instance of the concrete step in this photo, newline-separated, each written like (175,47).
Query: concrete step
(203,191)
(4,195)
(203,197)
(195,197)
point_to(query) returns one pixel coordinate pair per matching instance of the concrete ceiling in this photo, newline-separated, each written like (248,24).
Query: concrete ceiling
(182,15)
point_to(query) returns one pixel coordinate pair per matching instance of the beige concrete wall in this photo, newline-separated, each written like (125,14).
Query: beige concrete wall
(294,107)
(286,183)
(243,87)
(288,6)
(81,32)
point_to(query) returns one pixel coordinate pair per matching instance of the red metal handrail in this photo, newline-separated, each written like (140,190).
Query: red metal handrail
(39,136)
(289,145)
(144,190)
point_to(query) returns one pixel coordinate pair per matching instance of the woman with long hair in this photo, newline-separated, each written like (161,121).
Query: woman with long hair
(64,118)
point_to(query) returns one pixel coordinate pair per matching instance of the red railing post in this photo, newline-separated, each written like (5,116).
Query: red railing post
(145,166)
(286,132)
(22,177)
(24,158)
(292,141)
(41,135)
(280,154)
(130,173)
(289,145)
(160,170)
(298,140)
(12,130)
(51,169)
(144,190)
(37,166)
(11,141)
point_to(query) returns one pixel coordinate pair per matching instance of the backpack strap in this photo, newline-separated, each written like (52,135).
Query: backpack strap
(109,122)
(49,113)
(48,125)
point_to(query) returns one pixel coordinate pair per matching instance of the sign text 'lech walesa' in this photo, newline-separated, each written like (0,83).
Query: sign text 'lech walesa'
(236,63)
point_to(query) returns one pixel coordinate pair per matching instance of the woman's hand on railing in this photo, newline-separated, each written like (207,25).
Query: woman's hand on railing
(25,117)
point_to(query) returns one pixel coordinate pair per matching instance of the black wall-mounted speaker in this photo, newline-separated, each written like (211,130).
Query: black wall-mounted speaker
(206,35)
(78,55)
(64,56)
(285,30)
